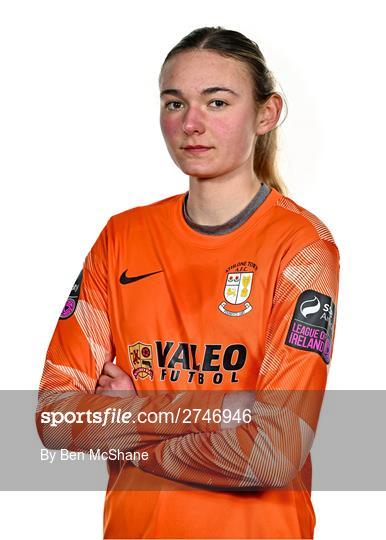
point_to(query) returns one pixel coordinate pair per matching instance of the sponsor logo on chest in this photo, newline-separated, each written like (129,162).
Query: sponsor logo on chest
(176,361)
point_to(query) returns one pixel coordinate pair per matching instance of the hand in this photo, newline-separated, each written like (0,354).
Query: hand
(114,381)
(237,402)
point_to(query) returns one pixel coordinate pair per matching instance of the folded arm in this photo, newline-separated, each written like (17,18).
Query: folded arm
(79,349)
(269,450)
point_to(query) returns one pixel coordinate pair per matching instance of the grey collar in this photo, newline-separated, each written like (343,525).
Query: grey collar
(235,221)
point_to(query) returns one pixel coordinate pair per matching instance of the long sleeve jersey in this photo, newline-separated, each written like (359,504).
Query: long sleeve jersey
(192,317)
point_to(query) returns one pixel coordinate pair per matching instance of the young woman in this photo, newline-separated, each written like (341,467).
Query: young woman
(228,289)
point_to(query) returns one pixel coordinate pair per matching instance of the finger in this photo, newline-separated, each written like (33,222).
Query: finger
(112,370)
(104,380)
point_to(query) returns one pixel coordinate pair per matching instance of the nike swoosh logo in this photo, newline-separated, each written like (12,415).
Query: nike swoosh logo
(125,280)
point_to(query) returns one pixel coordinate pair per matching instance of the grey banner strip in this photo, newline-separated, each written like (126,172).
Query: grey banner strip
(348,452)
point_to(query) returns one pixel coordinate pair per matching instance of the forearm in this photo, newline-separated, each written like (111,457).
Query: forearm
(266,452)
(101,421)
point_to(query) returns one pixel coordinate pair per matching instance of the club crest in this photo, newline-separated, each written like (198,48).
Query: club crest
(141,360)
(238,285)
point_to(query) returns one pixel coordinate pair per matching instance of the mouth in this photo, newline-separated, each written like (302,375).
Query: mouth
(196,149)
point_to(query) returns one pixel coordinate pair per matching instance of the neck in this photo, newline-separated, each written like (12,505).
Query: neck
(214,201)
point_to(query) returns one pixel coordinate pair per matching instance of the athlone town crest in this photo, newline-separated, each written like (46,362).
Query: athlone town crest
(238,285)
(141,360)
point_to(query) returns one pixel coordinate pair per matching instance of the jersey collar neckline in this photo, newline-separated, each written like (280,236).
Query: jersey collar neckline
(189,234)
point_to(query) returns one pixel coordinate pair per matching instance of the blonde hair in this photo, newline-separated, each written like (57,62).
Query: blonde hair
(235,45)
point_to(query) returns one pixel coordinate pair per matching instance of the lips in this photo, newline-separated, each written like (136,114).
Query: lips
(196,149)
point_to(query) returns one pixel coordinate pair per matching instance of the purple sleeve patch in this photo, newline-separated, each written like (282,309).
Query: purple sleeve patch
(312,324)
(72,300)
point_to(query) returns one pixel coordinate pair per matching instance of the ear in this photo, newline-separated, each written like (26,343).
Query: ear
(269,114)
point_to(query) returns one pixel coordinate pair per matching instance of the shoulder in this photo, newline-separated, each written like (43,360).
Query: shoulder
(138,215)
(310,257)
(301,226)
(303,218)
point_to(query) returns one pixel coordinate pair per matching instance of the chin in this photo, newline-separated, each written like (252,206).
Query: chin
(201,175)
(199,172)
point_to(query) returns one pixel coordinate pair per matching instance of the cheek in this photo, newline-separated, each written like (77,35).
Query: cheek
(234,132)
(169,127)
(223,128)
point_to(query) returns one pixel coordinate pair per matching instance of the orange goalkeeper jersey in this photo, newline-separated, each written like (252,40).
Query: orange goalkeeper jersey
(195,316)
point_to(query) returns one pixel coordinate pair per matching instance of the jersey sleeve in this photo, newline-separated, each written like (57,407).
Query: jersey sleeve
(81,344)
(270,449)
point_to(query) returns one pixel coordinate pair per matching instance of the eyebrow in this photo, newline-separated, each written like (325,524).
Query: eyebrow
(206,91)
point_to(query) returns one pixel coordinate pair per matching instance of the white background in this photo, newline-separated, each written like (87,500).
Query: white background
(80,141)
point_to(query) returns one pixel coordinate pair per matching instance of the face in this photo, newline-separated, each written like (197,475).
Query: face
(207,100)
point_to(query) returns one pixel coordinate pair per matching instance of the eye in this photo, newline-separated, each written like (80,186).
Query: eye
(172,103)
(219,101)
(176,105)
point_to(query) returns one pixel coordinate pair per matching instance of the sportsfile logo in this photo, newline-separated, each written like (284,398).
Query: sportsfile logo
(312,324)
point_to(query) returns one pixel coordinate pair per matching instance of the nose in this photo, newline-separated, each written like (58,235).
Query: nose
(193,121)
